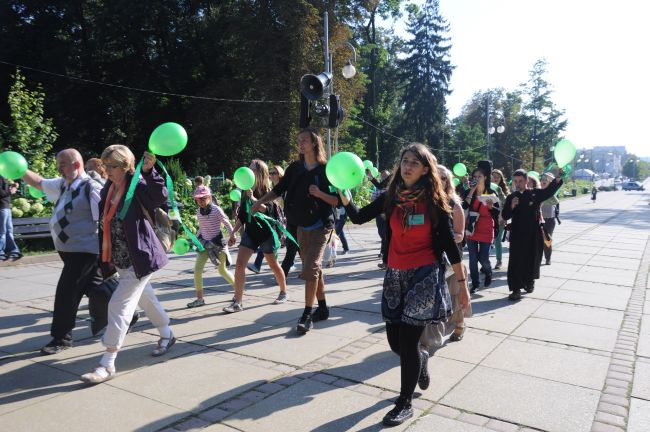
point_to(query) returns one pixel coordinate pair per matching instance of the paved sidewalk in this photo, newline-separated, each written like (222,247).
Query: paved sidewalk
(572,356)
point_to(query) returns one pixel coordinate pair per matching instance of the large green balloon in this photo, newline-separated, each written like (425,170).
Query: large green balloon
(345,170)
(460,170)
(244,178)
(168,139)
(564,152)
(181,246)
(235,195)
(12,165)
(533,174)
(367,164)
(35,193)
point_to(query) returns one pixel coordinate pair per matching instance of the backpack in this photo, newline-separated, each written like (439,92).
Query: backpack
(162,227)
(471,218)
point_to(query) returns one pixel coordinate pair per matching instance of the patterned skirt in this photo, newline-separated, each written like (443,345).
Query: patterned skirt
(416,296)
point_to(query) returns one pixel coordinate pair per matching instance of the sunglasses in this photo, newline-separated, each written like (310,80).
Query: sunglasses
(273,173)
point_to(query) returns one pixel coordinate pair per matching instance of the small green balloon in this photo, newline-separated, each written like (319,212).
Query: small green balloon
(235,195)
(35,193)
(456,181)
(460,170)
(181,246)
(564,152)
(367,164)
(168,139)
(533,174)
(244,178)
(12,165)
(345,170)
(494,186)
(374,171)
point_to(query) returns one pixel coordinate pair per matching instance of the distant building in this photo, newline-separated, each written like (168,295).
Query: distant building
(602,160)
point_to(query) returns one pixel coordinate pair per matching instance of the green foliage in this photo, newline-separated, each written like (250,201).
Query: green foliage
(29,132)
(637,170)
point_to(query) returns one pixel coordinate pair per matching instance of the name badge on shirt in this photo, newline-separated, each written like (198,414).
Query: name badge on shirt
(416,219)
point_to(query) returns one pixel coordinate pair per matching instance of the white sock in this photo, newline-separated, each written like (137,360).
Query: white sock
(166,334)
(108,360)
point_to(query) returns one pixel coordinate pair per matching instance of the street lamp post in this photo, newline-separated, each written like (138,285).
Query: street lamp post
(489,128)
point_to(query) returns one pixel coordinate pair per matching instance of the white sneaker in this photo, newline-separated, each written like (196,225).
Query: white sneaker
(233,308)
(282,298)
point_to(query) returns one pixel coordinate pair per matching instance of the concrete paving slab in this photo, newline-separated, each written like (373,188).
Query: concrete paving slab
(624,263)
(597,317)
(639,418)
(104,409)
(561,256)
(328,409)
(17,290)
(525,400)
(641,383)
(568,333)
(562,365)
(432,422)
(474,347)
(194,389)
(613,301)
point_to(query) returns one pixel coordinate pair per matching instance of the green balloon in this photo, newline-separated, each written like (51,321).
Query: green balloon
(367,164)
(181,246)
(168,139)
(456,181)
(12,165)
(374,171)
(35,193)
(460,170)
(345,170)
(494,186)
(244,178)
(533,174)
(235,194)
(564,152)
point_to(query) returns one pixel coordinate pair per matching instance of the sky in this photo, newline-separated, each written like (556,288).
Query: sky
(598,55)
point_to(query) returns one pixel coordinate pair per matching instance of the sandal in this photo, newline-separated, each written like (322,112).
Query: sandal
(163,349)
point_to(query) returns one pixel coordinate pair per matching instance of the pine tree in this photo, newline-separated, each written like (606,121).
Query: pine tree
(427,71)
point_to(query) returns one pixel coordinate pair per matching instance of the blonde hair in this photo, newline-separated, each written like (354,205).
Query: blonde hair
(279,169)
(120,154)
(447,180)
(261,171)
(535,182)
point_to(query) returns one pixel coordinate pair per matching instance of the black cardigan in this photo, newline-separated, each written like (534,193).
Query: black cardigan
(442,230)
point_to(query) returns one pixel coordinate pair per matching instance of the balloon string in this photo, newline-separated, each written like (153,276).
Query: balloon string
(130,192)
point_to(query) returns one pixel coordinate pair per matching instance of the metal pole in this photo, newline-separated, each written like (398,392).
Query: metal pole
(328,68)
(487,126)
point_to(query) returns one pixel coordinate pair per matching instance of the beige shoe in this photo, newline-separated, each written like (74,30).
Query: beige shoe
(99,375)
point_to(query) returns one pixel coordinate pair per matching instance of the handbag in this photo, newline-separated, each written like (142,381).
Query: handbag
(162,227)
(548,241)
(471,218)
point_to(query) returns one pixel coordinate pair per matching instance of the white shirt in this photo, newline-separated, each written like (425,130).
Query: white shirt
(52,188)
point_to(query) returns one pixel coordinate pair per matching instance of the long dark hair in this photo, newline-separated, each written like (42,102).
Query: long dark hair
(433,185)
(319,147)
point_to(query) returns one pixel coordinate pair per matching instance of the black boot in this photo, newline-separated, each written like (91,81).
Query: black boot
(515,295)
(398,415)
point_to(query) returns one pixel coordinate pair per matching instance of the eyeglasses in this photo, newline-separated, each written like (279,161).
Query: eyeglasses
(112,167)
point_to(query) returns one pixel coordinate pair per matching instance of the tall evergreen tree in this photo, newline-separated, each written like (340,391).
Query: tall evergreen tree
(426,71)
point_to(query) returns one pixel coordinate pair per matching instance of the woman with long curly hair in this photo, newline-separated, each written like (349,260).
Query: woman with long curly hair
(418,232)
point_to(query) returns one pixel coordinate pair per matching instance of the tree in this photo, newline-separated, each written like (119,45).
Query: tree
(427,70)
(541,116)
(29,132)
(635,168)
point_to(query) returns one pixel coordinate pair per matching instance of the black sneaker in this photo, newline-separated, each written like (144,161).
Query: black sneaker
(15,257)
(424,380)
(398,415)
(320,314)
(304,324)
(488,280)
(134,321)
(548,262)
(515,295)
(473,289)
(56,346)
(3,258)
(498,265)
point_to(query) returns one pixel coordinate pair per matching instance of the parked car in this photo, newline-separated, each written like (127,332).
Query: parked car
(633,186)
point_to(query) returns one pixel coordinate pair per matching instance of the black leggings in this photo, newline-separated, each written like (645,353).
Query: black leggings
(404,340)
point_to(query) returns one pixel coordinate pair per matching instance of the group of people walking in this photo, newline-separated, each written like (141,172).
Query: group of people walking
(102,228)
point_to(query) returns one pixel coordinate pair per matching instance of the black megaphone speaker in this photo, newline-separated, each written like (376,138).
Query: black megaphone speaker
(313,86)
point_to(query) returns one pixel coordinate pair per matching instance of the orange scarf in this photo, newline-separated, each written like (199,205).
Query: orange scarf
(110,209)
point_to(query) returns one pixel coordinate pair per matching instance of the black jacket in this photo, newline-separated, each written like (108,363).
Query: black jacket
(5,194)
(441,230)
(301,208)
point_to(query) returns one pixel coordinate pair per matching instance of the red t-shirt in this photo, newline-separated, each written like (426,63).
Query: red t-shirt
(484,230)
(412,248)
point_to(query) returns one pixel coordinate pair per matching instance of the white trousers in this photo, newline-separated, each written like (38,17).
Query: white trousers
(131,292)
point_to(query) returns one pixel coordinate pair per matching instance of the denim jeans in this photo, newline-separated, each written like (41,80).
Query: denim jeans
(478,252)
(7,242)
(340,224)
